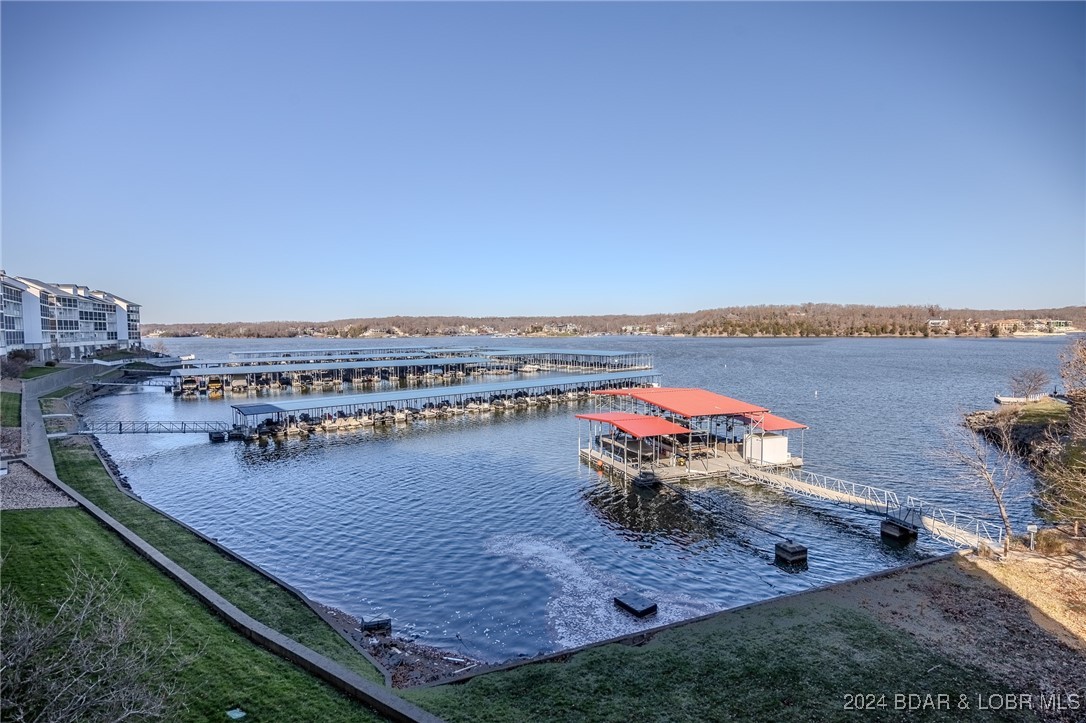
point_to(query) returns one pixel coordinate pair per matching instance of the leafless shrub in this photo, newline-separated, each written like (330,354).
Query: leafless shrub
(1073,365)
(12,367)
(89,661)
(1029,382)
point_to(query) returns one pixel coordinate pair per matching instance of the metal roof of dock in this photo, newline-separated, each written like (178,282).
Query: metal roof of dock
(637,425)
(298,359)
(333,351)
(772,423)
(316,366)
(457,390)
(518,351)
(688,402)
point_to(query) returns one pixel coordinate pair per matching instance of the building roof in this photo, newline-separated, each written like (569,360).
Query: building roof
(688,402)
(637,425)
(772,423)
(50,288)
(14,282)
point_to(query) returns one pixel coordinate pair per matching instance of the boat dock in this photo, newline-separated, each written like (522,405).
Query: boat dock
(956,528)
(680,443)
(359,410)
(329,369)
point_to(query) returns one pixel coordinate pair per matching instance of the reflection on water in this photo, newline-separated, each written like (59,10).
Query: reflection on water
(486,535)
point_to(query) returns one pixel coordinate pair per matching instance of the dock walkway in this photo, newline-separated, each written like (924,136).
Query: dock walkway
(955,528)
(251,415)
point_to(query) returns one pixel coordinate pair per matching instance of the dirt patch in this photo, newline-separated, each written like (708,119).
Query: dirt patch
(1020,620)
(11,440)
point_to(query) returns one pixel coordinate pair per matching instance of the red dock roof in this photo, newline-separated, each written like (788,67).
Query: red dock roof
(773,423)
(636,425)
(688,402)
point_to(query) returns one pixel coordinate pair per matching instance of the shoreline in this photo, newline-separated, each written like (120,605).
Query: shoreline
(408,662)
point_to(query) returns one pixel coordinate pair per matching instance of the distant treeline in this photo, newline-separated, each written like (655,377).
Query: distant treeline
(784,320)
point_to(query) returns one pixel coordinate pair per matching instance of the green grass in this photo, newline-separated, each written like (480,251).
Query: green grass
(1044,411)
(142,366)
(35,372)
(11,409)
(749,665)
(116,355)
(250,591)
(59,393)
(227,671)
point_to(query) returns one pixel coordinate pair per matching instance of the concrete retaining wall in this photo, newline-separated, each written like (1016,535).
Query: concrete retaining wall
(58,380)
(230,554)
(346,681)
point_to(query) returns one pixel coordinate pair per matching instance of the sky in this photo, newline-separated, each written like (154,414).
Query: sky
(317,161)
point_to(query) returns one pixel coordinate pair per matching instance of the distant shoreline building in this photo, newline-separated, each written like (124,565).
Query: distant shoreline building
(65,321)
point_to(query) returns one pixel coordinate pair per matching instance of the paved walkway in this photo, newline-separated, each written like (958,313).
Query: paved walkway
(35,443)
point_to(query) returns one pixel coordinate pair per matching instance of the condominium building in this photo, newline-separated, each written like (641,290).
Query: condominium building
(65,321)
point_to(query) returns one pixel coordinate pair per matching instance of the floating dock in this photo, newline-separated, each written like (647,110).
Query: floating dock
(328,369)
(682,441)
(406,404)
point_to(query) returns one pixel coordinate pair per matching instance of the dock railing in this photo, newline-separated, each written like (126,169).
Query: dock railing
(947,525)
(150,427)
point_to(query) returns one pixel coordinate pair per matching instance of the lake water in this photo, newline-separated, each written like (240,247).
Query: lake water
(486,536)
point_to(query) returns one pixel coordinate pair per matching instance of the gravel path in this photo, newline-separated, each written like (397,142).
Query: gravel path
(23,489)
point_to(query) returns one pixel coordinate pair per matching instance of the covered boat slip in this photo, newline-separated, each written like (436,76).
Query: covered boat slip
(398,365)
(386,351)
(241,364)
(579,360)
(459,396)
(331,367)
(710,426)
(573,360)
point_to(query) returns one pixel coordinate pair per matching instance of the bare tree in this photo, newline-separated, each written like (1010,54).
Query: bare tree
(1062,479)
(86,662)
(1029,382)
(1073,366)
(986,456)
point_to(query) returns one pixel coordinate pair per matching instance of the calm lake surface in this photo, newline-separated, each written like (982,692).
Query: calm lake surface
(486,536)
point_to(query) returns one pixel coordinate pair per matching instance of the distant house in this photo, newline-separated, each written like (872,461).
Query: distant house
(938,323)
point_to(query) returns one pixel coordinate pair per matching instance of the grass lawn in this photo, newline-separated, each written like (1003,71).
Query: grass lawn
(38,549)
(11,409)
(789,664)
(65,391)
(1043,411)
(259,597)
(35,372)
(140,365)
(116,355)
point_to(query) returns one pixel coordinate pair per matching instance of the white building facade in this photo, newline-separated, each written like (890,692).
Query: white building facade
(65,321)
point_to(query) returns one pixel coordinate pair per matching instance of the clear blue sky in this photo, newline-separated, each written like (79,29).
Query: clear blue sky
(252,161)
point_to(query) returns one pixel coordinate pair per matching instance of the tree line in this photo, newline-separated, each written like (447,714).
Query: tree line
(808,319)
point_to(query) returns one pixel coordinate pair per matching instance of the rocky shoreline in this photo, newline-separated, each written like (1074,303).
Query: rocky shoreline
(408,662)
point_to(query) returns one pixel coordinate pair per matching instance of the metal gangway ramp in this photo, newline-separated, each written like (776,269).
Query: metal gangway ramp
(155,382)
(956,528)
(87,426)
